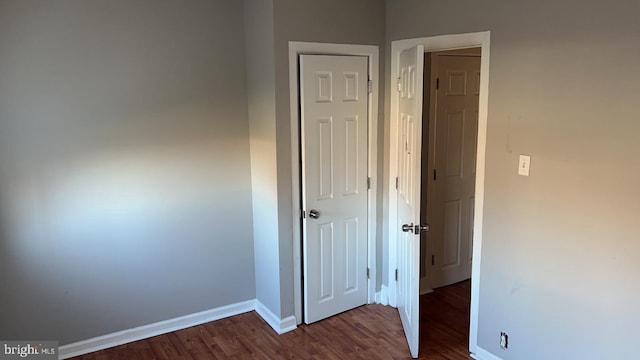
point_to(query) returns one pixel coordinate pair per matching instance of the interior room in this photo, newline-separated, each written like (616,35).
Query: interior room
(152,173)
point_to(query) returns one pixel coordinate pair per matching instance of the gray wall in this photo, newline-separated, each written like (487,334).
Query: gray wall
(264,178)
(560,248)
(124,164)
(330,21)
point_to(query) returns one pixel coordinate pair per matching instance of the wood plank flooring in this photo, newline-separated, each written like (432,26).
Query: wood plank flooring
(368,332)
(444,322)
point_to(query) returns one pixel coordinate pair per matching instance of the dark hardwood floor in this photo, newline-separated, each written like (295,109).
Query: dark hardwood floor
(444,322)
(368,332)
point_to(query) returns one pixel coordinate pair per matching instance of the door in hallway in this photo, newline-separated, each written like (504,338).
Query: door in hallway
(452,163)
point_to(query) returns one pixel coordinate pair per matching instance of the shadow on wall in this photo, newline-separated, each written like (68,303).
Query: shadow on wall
(129,224)
(124,164)
(94,232)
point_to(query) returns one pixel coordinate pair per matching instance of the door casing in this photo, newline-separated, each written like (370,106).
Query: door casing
(372,53)
(431,44)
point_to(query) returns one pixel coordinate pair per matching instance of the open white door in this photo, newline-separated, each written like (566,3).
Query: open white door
(334,103)
(408,185)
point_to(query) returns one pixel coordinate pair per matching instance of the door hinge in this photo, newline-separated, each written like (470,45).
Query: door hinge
(368,183)
(397,182)
(369,86)
(398,85)
(437,83)
(435,176)
(396,274)
(433,259)
(367,273)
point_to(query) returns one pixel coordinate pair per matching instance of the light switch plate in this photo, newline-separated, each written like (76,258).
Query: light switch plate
(524,164)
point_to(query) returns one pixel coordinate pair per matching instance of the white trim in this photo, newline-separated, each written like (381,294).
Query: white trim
(280,326)
(482,354)
(439,43)
(372,52)
(382,296)
(158,328)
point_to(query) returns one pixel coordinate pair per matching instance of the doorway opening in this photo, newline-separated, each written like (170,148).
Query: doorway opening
(448,169)
(371,52)
(448,166)
(396,132)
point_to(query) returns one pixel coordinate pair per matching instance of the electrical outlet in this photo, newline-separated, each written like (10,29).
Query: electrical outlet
(504,341)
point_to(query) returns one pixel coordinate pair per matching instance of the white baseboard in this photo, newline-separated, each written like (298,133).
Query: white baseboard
(482,354)
(382,296)
(281,326)
(426,291)
(147,331)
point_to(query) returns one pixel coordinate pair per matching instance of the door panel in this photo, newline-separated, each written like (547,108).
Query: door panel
(350,250)
(351,155)
(454,152)
(451,251)
(325,161)
(454,143)
(410,117)
(333,104)
(325,258)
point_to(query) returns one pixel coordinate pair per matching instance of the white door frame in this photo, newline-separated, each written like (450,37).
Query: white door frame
(439,43)
(372,53)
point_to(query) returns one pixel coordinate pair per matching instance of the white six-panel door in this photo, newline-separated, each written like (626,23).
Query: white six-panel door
(333,93)
(454,157)
(410,117)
